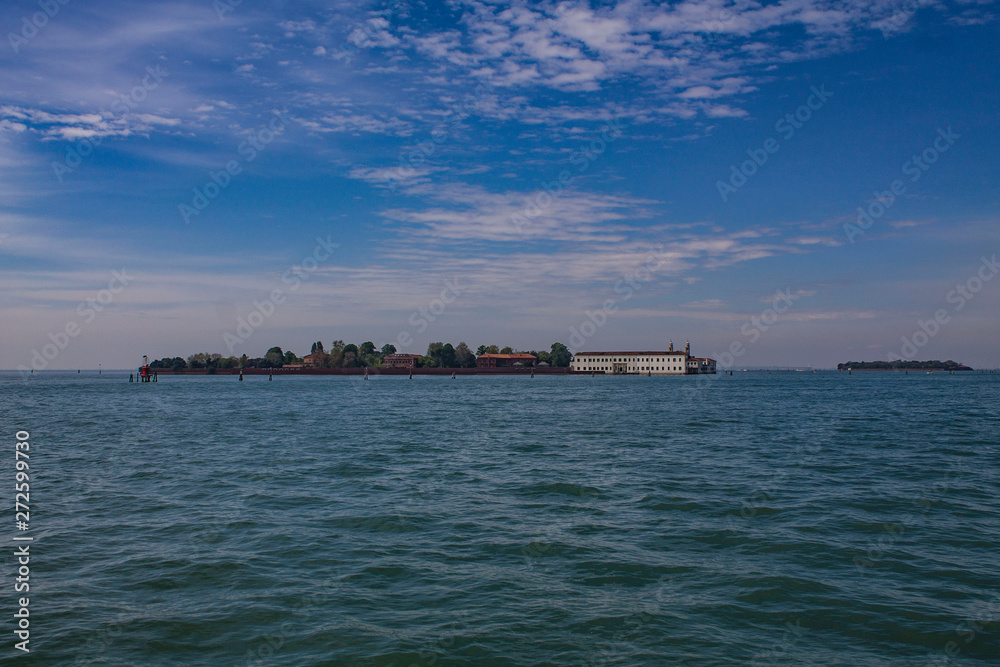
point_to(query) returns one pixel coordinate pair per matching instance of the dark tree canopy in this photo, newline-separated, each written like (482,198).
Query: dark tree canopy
(900,365)
(560,355)
(439,355)
(442,354)
(464,357)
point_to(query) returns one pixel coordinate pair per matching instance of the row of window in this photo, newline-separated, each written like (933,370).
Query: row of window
(630,359)
(632,368)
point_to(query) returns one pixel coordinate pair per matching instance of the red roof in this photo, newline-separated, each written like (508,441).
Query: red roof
(623,354)
(507,356)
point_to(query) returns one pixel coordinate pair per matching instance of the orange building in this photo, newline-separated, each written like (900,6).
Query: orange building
(505,360)
(315,360)
(400,361)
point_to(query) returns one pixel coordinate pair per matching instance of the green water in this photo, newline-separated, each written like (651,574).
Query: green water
(766,519)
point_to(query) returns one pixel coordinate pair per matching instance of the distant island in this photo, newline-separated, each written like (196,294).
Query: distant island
(903,366)
(348,356)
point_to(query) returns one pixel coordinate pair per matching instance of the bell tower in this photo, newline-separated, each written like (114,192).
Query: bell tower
(671,348)
(687,348)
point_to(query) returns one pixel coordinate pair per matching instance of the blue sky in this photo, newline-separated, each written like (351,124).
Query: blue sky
(499,173)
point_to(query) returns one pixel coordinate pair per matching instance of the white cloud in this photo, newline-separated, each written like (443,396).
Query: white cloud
(723,111)
(71,127)
(12,126)
(373,33)
(293,27)
(358,123)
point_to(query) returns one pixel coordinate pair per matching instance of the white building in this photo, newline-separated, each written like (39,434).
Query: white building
(669,362)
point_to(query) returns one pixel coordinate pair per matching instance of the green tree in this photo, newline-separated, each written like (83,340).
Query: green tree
(544,356)
(228,362)
(388,348)
(489,349)
(507,350)
(275,356)
(443,354)
(560,355)
(318,347)
(349,354)
(338,346)
(464,357)
(290,358)
(368,355)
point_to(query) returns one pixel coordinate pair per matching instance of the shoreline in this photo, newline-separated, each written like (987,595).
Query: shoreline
(373,371)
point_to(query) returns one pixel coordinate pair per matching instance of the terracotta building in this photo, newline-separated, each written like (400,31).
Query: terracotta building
(504,360)
(400,361)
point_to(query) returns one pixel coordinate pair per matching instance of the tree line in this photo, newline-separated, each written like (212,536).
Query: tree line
(900,365)
(365,355)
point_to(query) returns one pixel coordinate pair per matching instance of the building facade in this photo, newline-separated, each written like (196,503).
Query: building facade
(400,361)
(315,360)
(666,362)
(504,360)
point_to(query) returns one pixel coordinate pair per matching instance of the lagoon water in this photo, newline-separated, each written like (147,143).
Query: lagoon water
(768,519)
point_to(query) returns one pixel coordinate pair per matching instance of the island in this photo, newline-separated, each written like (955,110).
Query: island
(903,366)
(348,359)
